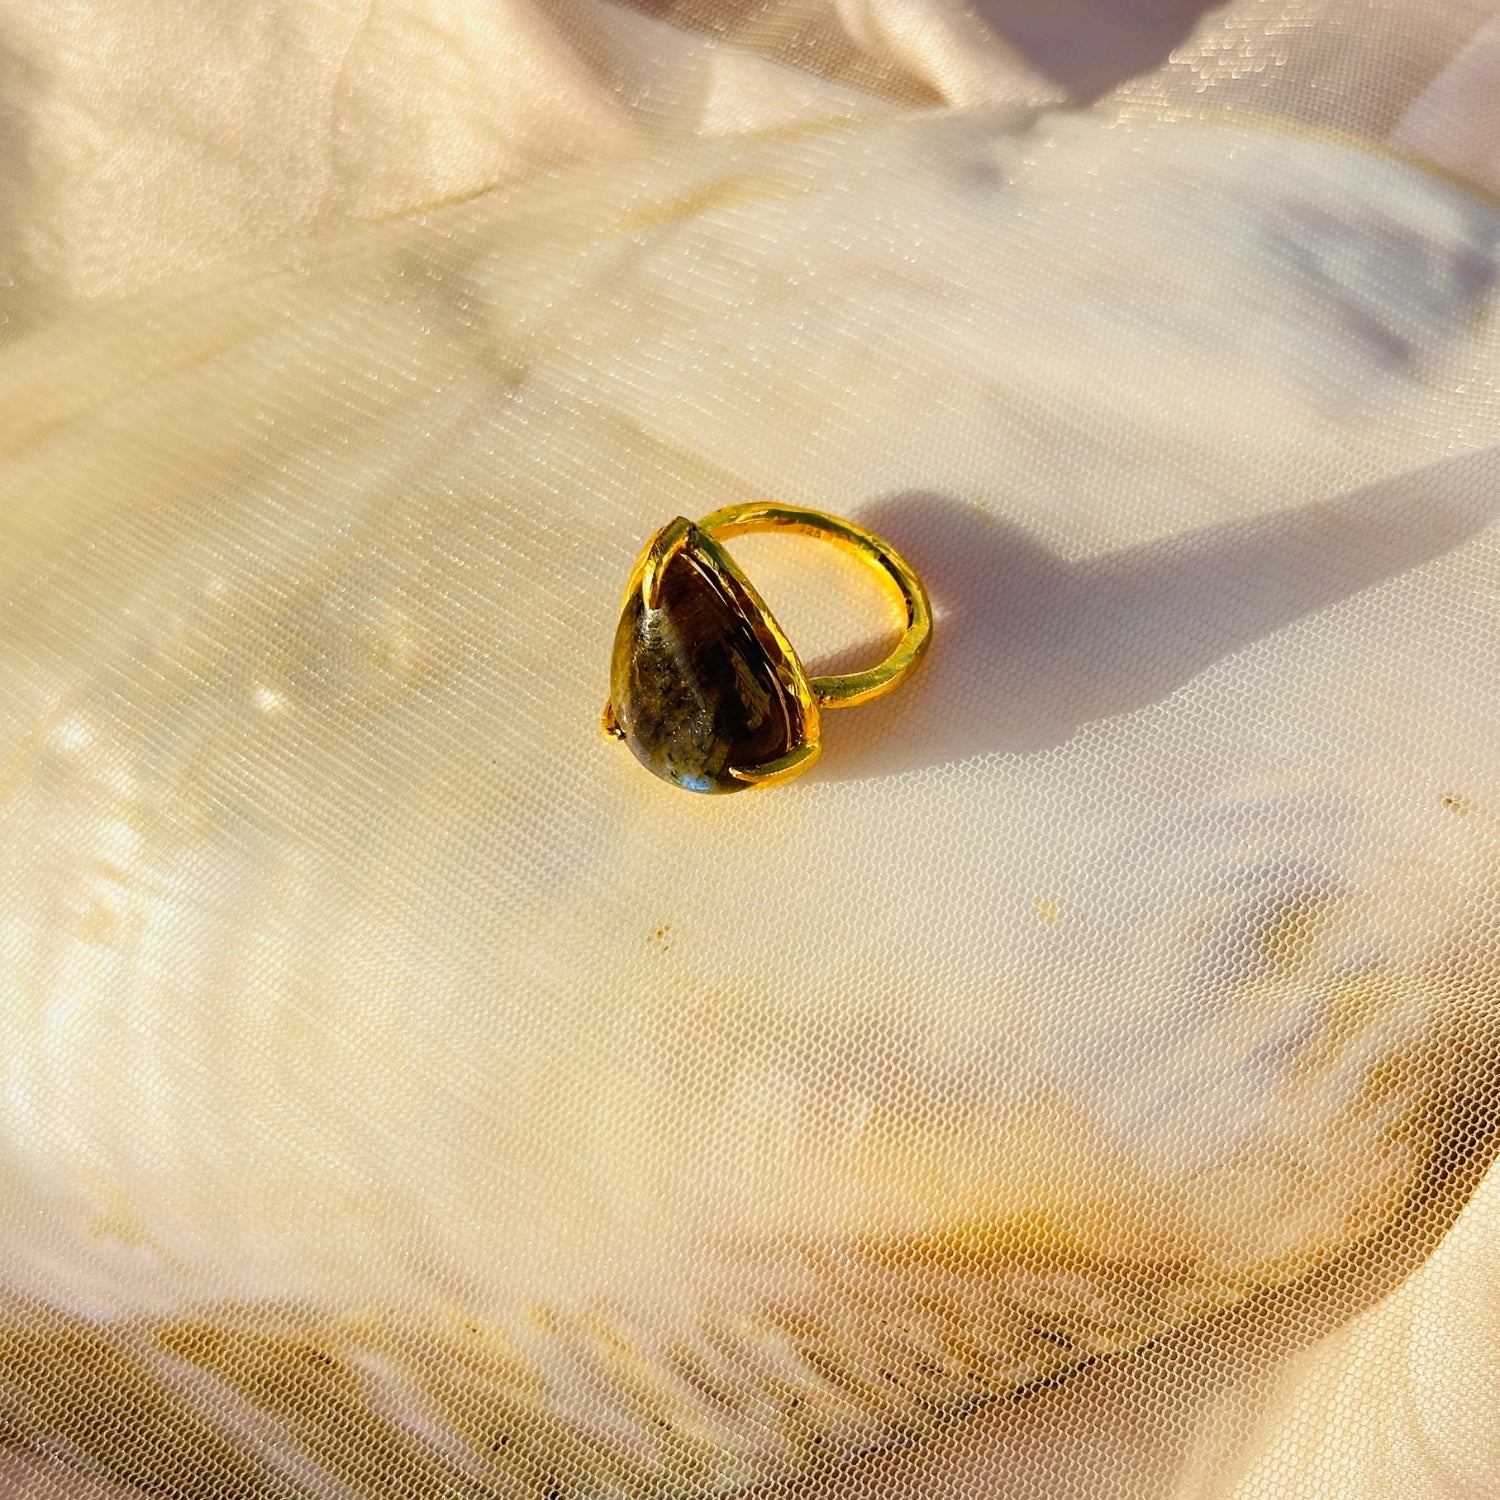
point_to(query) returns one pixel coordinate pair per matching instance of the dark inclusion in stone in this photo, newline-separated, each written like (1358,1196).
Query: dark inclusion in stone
(698,684)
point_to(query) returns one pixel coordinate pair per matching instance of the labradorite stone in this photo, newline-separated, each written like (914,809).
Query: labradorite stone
(695,687)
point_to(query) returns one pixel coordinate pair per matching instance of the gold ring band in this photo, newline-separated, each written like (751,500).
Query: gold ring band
(704,686)
(849,688)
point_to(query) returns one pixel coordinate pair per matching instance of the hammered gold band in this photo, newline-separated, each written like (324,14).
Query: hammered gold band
(845,689)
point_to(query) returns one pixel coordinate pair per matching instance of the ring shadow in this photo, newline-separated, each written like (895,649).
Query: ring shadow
(1093,46)
(1029,647)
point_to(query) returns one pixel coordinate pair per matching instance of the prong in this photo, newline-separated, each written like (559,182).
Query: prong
(609,724)
(774,772)
(670,540)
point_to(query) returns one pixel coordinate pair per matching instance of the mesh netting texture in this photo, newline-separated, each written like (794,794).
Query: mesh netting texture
(1081,1084)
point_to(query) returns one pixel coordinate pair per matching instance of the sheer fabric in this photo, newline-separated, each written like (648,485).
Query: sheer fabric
(1083,1085)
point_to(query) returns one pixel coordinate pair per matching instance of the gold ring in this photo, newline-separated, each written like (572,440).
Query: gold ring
(704,687)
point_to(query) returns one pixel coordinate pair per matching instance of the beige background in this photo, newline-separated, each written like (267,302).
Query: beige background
(148,137)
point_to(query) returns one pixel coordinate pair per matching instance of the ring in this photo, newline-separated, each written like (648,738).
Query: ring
(704,686)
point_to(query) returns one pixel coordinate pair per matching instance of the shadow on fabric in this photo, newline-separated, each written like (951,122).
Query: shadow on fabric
(1091,46)
(1029,647)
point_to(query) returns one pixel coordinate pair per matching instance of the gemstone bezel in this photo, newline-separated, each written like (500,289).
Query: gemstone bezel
(643,595)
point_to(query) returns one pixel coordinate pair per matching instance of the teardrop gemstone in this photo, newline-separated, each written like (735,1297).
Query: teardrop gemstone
(700,686)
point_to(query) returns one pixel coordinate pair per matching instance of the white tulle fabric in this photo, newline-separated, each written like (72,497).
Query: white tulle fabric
(351,351)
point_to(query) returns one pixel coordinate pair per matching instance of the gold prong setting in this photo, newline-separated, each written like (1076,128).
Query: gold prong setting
(669,541)
(775,772)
